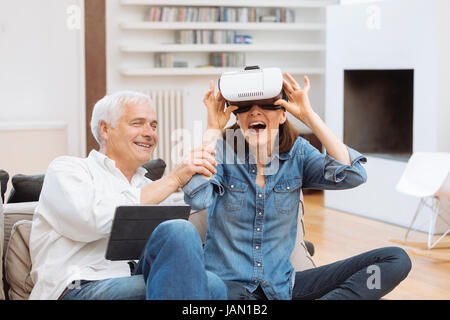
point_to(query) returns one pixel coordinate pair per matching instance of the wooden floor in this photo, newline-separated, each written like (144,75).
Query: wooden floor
(337,235)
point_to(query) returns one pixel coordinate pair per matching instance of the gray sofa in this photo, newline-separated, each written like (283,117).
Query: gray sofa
(16,220)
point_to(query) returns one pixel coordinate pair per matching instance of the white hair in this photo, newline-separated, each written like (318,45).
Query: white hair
(110,109)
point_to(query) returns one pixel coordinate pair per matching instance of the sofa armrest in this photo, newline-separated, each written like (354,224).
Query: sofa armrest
(10,213)
(2,292)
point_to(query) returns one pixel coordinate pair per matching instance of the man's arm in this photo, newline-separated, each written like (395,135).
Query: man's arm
(159,190)
(199,161)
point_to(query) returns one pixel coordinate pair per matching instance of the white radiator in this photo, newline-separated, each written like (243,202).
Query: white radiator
(168,105)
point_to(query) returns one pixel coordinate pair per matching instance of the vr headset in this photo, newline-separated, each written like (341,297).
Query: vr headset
(252,86)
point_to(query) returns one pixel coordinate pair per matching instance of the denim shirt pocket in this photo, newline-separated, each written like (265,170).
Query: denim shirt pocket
(287,195)
(234,195)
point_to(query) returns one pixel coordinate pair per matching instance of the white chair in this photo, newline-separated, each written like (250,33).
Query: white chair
(427,176)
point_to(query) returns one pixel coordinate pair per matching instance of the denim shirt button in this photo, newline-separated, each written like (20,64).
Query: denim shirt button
(258,229)
(257,247)
(260,213)
(289,188)
(232,186)
(259,264)
(260,195)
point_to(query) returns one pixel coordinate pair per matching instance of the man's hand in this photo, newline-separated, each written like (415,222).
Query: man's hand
(198,161)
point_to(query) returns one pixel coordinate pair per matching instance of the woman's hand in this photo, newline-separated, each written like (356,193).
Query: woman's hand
(217,116)
(300,107)
(299,104)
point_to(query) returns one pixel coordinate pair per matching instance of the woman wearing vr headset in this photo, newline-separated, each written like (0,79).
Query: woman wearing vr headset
(254,197)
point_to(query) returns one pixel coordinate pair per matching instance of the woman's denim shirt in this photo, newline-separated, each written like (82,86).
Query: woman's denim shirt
(251,230)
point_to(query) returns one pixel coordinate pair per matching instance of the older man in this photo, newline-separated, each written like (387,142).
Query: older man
(76,207)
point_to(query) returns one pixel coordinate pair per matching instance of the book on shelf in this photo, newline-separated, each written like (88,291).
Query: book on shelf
(166,60)
(227,59)
(243,39)
(282,15)
(217,14)
(205,36)
(268,19)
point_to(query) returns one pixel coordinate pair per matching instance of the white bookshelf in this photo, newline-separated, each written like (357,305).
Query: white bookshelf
(302,39)
(146,25)
(143,72)
(140,48)
(134,44)
(232,3)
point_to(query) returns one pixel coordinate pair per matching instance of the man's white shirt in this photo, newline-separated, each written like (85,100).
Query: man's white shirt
(73,219)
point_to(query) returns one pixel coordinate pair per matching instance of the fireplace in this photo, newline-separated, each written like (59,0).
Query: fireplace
(378,112)
(387,96)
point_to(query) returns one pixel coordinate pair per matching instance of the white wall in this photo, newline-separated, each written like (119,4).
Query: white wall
(443,52)
(42,66)
(41,83)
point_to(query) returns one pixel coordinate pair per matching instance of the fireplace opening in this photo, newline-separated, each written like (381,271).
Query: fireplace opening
(378,112)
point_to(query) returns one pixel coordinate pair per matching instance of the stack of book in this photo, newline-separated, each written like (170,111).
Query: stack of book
(217,14)
(239,14)
(182,14)
(205,36)
(279,15)
(227,59)
(166,60)
(163,60)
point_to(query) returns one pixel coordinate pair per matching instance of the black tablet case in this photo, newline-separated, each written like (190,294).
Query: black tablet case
(133,225)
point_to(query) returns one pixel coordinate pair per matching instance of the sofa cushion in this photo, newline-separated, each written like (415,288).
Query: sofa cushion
(155,169)
(18,262)
(26,188)
(13,212)
(4,177)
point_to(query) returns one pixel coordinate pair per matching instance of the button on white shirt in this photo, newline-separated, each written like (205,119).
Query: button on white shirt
(73,219)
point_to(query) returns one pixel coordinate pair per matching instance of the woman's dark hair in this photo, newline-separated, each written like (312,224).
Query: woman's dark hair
(287,135)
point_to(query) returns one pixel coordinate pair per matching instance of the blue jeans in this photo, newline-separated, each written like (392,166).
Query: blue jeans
(367,276)
(171,268)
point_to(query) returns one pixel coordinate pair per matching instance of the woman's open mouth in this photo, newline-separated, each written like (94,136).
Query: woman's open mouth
(257,127)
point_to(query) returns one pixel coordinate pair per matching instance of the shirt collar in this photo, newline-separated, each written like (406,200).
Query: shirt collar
(110,164)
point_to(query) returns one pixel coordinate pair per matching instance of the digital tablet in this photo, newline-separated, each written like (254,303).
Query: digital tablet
(133,225)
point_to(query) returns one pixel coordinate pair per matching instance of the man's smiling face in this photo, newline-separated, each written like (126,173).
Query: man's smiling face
(133,139)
